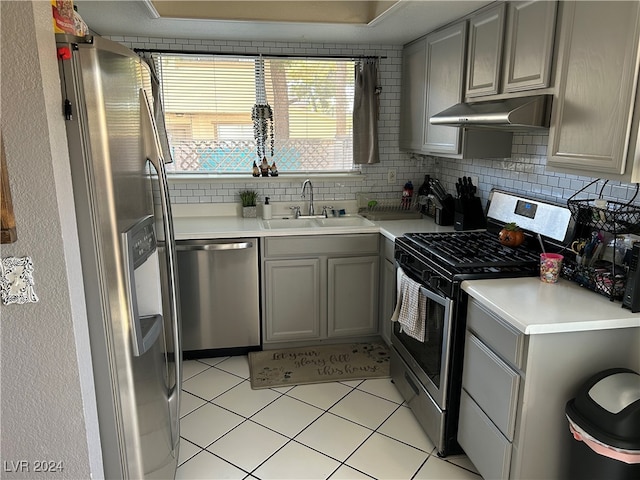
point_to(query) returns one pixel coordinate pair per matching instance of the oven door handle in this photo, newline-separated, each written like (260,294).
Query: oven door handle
(430,294)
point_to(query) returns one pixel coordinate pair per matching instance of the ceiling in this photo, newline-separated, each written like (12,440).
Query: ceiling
(333,11)
(365,22)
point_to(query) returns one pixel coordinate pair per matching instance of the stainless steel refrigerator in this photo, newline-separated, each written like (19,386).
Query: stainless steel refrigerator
(127,253)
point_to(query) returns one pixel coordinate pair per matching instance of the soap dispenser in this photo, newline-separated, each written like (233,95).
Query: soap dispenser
(266,209)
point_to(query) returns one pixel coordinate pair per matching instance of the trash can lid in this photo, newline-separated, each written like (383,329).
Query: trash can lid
(607,407)
(616,392)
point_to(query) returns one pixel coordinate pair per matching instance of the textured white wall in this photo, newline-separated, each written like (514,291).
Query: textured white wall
(48,404)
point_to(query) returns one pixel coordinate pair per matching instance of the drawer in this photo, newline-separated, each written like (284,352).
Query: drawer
(503,339)
(359,244)
(426,411)
(486,447)
(492,384)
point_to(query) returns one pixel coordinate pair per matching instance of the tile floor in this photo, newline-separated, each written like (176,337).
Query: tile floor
(340,430)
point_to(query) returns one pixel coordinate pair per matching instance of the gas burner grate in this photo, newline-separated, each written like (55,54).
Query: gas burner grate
(469,250)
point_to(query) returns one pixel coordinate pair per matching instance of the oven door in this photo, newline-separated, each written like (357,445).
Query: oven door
(429,361)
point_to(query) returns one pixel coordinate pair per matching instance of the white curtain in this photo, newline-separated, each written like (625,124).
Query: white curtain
(366,107)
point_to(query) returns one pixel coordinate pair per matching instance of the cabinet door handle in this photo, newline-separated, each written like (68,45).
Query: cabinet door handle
(216,246)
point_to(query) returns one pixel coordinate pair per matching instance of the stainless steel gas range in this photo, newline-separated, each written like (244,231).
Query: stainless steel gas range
(429,373)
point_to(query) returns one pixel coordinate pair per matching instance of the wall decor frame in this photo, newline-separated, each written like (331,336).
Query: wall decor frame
(7,222)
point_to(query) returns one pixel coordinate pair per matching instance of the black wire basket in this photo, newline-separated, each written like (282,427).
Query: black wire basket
(605,215)
(601,215)
(603,278)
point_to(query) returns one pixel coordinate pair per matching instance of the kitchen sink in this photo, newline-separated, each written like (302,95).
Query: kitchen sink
(317,222)
(278,223)
(345,221)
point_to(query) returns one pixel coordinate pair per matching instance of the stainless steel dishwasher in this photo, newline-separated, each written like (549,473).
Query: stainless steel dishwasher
(219,296)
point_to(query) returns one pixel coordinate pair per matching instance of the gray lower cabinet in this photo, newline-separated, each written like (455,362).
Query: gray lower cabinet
(293,299)
(387,287)
(515,387)
(352,300)
(490,387)
(319,287)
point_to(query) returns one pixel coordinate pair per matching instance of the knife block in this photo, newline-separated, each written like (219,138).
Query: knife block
(444,215)
(469,214)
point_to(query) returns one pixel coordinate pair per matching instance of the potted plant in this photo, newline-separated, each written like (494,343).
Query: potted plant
(248,199)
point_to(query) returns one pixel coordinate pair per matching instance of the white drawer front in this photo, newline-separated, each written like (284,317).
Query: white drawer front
(492,384)
(502,339)
(483,443)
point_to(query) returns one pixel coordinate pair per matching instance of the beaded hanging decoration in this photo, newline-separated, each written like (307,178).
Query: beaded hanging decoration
(262,115)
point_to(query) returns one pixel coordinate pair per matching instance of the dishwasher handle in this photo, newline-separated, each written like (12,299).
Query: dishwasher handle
(215,246)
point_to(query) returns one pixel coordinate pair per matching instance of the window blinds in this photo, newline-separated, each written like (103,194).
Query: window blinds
(208,102)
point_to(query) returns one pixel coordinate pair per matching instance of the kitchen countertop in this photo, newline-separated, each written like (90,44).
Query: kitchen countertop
(531,306)
(230,226)
(534,307)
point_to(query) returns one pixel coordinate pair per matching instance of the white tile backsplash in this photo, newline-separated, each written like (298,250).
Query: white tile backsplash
(522,173)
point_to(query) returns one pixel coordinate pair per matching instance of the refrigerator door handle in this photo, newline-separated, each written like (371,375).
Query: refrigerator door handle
(153,153)
(216,246)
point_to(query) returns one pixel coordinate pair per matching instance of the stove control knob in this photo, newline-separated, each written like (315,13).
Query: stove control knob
(403,258)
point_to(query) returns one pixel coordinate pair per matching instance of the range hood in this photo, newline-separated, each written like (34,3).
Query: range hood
(513,114)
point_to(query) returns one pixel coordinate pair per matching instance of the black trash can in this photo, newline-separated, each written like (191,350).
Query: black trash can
(604,418)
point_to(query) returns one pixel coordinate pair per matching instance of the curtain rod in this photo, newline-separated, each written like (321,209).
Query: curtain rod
(275,55)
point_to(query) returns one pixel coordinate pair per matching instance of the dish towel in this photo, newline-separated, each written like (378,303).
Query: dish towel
(410,308)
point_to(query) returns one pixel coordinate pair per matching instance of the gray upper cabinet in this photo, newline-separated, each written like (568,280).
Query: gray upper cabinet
(501,50)
(412,99)
(444,83)
(510,48)
(433,73)
(432,80)
(486,33)
(592,126)
(528,50)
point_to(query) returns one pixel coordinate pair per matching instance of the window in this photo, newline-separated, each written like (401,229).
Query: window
(208,102)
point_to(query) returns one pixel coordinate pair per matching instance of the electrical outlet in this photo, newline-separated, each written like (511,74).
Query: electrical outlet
(392,176)
(475,180)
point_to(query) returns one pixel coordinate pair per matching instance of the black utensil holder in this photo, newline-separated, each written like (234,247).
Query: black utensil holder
(469,214)
(445,214)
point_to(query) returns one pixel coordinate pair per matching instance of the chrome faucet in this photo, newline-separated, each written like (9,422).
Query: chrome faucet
(304,187)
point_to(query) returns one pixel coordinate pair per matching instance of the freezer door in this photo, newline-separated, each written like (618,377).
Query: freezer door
(116,185)
(168,268)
